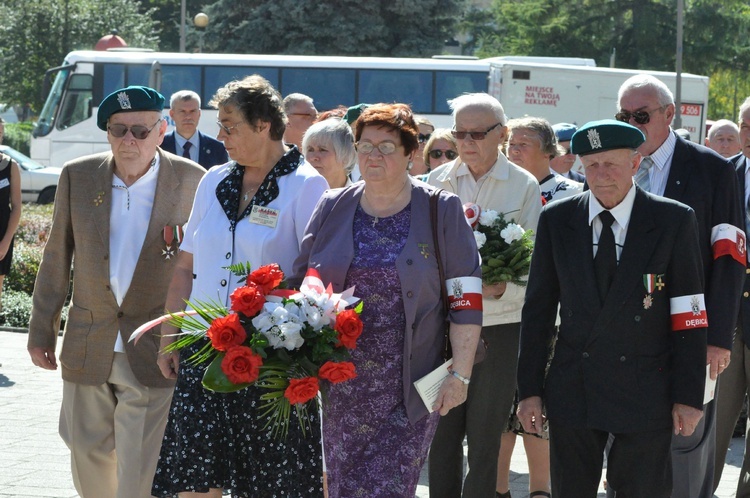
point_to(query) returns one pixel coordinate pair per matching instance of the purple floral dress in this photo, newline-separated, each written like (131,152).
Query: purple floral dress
(371,449)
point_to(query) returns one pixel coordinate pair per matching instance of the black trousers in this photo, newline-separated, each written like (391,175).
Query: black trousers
(639,464)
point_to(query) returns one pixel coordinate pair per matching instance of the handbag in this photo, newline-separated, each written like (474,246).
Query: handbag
(447,352)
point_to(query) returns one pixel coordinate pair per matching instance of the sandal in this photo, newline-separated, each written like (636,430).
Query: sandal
(540,493)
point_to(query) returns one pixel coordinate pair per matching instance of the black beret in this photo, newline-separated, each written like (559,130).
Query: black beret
(607,134)
(130,99)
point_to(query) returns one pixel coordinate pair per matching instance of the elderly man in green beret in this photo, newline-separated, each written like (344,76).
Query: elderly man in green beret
(119,214)
(630,353)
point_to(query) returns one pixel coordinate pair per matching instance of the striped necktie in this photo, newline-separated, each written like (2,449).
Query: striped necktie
(642,177)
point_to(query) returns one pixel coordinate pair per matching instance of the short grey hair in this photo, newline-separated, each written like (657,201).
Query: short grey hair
(184,96)
(294,98)
(725,123)
(483,100)
(663,93)
(744,107)
(542,129)
(336,134)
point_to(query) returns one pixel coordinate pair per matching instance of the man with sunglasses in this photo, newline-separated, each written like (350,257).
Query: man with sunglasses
(119,214)
(694,175)
(484,176)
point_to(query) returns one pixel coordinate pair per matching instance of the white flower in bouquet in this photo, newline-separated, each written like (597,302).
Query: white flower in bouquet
(316,309)
(281,325)
(511,233)
(480,238)
(488,217)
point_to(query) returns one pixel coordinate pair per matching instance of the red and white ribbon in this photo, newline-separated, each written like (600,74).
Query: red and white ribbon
(688,312)
(728,240)
(464,293)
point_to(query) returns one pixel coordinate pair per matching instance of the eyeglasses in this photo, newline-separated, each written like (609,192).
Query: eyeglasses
(385,148)
(228,129)
(422,138)
(640,117)
(449,154)
(139,132)
(475,135)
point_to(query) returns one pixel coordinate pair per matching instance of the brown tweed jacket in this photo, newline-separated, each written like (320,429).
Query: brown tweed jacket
(80,230)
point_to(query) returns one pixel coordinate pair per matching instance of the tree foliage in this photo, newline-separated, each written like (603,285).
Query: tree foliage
(397,28)
(35,36)
(636,34)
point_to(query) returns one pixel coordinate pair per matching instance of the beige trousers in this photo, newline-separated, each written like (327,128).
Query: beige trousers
(114,433)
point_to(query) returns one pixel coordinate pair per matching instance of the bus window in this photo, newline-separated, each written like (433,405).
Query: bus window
(451,84)
(114,77)
(328,88)
(47,116)
(76,106)
(217,76)
(176,78)
(408,87)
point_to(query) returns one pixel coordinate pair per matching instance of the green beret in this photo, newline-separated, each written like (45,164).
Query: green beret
(353,112)
(130,99)
(607,134)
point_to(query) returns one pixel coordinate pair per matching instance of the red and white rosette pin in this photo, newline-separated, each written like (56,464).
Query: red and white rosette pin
(472,212)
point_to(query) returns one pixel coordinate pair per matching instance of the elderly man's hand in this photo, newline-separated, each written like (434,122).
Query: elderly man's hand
(685,418)
(530,414)
(452,393)
(494,291)
(43,358)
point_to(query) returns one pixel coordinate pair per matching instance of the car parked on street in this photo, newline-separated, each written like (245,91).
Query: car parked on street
(38,183)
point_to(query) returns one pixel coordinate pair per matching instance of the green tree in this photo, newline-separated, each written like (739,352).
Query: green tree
(35,36)
(398,28)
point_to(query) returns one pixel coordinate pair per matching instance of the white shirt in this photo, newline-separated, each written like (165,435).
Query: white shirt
(194,145)
(128,223)
(662,157)
(213,246)
(621,213)
(468,187)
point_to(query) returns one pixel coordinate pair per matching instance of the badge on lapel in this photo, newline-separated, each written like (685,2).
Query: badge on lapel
(173,235)
(99,198)
(652,282)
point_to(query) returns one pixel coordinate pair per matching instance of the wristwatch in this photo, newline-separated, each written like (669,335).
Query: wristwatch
(460,377)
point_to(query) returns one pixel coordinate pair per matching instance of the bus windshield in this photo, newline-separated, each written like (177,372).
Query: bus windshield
(47,116)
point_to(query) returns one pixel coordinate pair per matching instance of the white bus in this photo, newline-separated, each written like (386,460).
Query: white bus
(66,128)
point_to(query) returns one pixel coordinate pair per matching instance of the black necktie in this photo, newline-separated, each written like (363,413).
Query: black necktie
(605,261)
(186,150)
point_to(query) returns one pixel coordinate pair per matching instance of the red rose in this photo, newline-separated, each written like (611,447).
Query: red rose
(472,212)
(337,372)
(226,332)
(349,328)
(241,365)
(301,390)
(267,277)
(248,299)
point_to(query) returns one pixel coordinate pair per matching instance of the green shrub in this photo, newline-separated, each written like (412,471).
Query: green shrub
(35,224)
(16,308)
(23,270)
(18,136)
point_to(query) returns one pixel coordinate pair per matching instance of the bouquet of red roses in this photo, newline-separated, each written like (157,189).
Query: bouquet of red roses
(277,339)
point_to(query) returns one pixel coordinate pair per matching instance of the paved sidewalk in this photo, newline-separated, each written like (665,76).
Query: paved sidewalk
(34,462)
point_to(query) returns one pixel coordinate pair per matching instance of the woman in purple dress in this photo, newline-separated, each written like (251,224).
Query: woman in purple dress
(376,235)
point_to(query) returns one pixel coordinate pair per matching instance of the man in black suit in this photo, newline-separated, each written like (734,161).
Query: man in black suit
(185,140)
(735,381)
(629,356)
(696,176)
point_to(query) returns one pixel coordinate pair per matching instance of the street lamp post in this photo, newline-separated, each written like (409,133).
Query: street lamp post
(182,26)
(200,21)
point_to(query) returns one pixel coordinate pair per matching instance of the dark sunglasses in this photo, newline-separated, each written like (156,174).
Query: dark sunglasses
(475,135)
(449,154)
(139,132)
(640,117)
(423,138)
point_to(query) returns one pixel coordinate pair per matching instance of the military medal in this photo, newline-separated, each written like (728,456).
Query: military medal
(652,282)
(172,234)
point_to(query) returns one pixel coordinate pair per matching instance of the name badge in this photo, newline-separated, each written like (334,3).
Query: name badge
(4,183)
(264,216)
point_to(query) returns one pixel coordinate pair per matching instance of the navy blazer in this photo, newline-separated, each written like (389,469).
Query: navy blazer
(328,245)
(618,365)
(212,151)
(705,181)
(744,316)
